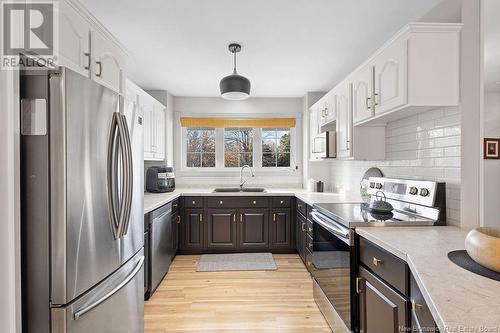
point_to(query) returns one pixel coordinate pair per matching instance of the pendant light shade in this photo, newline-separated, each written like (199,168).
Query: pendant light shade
(235,87)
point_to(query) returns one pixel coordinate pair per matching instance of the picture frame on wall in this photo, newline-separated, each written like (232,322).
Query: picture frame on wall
(491,148)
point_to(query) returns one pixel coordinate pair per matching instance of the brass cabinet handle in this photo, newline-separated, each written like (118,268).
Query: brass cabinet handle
(376,261)
(281,202)
(303,226)
(415,306)
(201,217)
(178,219)
(221,202)
(367,101)
(358,285)
(241,218)
(310,230)
(234,217)
(375,99)
(308,263)
(99,74)
(254,202)
(194,202)
(274,217)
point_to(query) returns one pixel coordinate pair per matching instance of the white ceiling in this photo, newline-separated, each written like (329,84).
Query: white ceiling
(491,45)
(289,46)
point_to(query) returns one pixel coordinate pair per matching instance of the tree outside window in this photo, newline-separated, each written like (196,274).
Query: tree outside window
(276,147)
(200,147)
(238,147)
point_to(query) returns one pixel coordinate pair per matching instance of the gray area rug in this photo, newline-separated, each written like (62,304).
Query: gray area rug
(236,262)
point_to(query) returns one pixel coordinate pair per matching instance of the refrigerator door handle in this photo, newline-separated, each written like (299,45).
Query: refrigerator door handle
(128,175)
(125,181)
(113,177)
(78,313)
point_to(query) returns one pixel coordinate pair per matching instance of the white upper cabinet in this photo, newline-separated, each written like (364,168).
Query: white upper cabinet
(417,70)
(327,109)
(362,95)
(344,120)
(390,78)
(74,39)
(154,122)
(86,47)
(108,62)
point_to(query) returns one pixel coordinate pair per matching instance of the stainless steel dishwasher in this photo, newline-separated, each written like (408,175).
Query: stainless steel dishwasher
(160,246)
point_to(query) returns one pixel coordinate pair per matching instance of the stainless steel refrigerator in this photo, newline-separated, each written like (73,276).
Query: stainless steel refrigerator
(81,206)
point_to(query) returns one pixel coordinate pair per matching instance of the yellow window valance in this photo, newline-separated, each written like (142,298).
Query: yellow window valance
(238,122)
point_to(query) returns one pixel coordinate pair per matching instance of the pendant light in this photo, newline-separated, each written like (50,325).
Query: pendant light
(235,87)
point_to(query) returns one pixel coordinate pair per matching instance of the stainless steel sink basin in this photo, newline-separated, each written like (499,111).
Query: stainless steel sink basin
(237,189)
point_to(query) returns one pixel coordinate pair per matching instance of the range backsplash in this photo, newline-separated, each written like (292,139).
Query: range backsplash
(424,146)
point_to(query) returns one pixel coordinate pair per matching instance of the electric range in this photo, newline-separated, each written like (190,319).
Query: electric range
(415,203)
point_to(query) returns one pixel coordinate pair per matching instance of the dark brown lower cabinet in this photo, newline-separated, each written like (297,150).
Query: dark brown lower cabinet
(193,229)
(253,229)
(421,316)
(300,235)
(381,308)
(281,228)
(221,229)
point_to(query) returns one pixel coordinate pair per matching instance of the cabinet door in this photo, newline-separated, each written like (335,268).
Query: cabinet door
(108,64)
(362,104)
(160,125)
(331,108)
(74,38)
(314,122)
(148,114)
(381,309)
(300,234)
(390,78)
(344,121)
(193,229)
(221,228)
(281,228)
(176,220)
(253,229)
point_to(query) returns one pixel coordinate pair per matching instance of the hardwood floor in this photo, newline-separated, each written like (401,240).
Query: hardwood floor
(248,301)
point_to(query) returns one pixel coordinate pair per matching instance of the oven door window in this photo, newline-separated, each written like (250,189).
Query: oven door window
(332,270)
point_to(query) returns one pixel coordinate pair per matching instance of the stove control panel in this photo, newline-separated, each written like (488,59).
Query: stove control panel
(413,191)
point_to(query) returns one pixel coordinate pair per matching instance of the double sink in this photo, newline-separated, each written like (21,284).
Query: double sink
(239,189)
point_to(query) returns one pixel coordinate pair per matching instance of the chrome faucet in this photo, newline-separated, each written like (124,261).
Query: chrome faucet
(242,181)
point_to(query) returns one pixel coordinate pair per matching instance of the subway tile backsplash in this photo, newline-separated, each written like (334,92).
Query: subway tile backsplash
(423,146)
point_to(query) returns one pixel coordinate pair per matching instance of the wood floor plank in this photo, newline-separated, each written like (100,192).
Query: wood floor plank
(246,301)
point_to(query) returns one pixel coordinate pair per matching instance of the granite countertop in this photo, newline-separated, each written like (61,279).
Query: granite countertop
(460,301)
(155,200)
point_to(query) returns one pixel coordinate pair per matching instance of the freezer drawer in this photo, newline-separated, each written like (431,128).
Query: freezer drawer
(114,305)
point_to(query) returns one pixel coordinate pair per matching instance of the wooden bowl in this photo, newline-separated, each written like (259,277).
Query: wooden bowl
(483,245)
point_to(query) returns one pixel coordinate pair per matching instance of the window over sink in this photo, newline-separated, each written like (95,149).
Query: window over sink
(225,147)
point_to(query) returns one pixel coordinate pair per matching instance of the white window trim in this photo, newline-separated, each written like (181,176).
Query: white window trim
(257,155)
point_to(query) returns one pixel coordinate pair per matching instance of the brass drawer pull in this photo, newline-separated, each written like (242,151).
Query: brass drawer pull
(221,202)
(303,226)
(274,217)
(178,219)
(234,217)
(194,203)
(281,202)
(201,217)
(241,218)
(254,202)
(376,261)
(415,306)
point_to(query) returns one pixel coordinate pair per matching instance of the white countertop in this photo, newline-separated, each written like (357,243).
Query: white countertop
(155,200)
(459,300)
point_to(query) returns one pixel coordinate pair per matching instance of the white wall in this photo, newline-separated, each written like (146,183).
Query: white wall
(491,168)
(424,146)
(252,107)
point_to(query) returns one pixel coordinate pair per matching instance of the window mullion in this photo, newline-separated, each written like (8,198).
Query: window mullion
(219,148)
(257,148)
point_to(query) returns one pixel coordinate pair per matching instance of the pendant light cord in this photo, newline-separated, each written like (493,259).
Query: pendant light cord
(234,62)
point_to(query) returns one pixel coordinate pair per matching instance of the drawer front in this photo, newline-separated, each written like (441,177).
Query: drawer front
(309,260)
(193,202)
(309,243)
(238,202)
(309,227)
(302,207)
(284,202)
(175,205)
(421,316)
(386,265)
